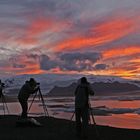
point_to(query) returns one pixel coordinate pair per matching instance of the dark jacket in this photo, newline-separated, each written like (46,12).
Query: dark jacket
(25,92)
(82,93)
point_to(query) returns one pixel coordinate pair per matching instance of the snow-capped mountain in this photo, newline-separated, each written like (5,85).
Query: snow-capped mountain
(49,81)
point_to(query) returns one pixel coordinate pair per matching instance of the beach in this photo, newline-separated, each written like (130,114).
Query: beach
(54,129)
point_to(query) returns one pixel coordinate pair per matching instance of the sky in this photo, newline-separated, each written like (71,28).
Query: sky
(100,37)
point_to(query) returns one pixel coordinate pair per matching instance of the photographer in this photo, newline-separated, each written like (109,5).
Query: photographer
(1,88)
(30,87)
(82,93)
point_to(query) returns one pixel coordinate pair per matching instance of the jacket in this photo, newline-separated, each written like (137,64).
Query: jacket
(25,92)
(82,93)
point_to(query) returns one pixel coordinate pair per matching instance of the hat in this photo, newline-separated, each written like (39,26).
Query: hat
(84,80)
(32,81)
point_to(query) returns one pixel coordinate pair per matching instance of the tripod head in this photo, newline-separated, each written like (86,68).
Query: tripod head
(37,87)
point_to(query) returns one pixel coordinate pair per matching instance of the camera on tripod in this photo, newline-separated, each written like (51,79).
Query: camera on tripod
(37,86)
(2,85)
(39,94)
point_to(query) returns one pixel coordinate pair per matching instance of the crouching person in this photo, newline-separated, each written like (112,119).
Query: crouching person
(82,93)
(30,87)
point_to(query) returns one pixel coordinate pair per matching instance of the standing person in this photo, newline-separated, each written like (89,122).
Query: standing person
(82,93)
(28,88)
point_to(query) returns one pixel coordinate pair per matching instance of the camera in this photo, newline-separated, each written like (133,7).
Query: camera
(37,83)
(2,85)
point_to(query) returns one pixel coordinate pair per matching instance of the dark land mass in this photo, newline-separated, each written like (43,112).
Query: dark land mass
(100,89)
(59,129)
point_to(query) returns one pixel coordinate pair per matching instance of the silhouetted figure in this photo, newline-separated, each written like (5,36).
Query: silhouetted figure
(1,88)
(28,88)
(82,93)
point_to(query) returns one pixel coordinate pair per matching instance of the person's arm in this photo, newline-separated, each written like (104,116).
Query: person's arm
(32,90)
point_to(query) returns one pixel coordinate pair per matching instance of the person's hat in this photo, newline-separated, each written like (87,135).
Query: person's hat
(84,80)
(32,81)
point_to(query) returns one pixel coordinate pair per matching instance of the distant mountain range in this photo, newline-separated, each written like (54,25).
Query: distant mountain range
(64,84)
(100,89)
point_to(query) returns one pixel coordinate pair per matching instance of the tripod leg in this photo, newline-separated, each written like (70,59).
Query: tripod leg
(72,116)
(43,103)
(94,123)
(7,108)
(32,102)
(93,120)
(3,104)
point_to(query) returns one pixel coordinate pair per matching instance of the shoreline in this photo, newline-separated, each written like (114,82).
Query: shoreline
(54,129)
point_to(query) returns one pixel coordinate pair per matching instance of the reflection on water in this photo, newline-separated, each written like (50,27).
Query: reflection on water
(117,113)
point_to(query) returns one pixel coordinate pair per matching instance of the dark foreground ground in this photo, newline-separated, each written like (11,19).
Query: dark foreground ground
(58,129)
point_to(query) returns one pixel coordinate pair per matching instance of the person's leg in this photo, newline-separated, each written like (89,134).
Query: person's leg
(24,106)
(78,121)
(85,120)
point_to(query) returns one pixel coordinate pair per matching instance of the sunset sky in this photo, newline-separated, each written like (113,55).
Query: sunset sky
(99,37)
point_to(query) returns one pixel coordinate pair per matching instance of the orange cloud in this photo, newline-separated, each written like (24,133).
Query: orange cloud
(125,70)
(135,60)
(38,26)
(122,72)
(117,52)
(29,69)
(23,64)
(28,40)
(34,29)
(103,33)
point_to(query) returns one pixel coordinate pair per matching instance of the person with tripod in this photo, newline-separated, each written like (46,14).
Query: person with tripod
(30,87)
(82,93)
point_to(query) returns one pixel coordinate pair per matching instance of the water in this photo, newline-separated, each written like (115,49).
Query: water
(119,112)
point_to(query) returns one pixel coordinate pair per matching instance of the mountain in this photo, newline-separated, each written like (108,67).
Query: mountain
(100,89)
(50,83)
(47,81)
(63,91)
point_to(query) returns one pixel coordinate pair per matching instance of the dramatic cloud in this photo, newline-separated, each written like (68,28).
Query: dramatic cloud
(100,67)
(46,63)
(18,65)
(72,57)
(71,61)
(79,61)
(88,36)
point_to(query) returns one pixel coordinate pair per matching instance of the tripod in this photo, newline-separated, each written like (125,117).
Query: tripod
(5,107)
(38,92)
(93,120)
